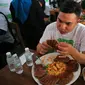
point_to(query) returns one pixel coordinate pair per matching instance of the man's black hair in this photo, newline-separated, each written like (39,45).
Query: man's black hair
(70,6)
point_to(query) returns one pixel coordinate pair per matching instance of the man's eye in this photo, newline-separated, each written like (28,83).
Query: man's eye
(68,23)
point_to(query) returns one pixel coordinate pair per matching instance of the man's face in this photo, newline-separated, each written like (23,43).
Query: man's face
(66,22)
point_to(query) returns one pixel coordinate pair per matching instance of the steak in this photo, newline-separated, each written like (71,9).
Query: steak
(49,80)
(52,43)
(66,79)
(62,59)
(72,66)
(39,70)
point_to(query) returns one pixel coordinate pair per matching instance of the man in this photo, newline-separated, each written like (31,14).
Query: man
(67,30)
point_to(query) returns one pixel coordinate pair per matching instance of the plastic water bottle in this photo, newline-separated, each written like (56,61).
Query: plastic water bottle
(28,56)
(18,65)
(10,62)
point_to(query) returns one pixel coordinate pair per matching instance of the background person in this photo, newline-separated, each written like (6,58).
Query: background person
(69,33)
(6,40)
(42,3)
(32,28)
(4,7)
(83,7)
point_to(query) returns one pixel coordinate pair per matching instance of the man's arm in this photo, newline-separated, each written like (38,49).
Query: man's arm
(80,57)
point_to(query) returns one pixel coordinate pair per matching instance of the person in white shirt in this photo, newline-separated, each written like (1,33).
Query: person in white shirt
(6,39)
(67,31)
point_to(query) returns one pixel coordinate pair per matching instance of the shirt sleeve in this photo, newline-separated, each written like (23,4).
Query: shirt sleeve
(46,35)
(82,45)
(3,23)
(49,32)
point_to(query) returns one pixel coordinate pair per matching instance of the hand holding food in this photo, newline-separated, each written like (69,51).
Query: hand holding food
(66,49)
(42,48)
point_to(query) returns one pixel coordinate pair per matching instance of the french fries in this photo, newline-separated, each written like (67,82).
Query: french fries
(56,68)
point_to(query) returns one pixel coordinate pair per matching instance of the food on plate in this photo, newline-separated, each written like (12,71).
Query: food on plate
(66,79)
(56,68)
(63,59)
(60,71)
(72,65)
(39,71)
(49,80)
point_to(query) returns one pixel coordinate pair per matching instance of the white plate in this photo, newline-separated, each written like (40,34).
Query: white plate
(46,61)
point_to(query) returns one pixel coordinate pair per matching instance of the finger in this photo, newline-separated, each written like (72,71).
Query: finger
(63,44)
(62,56)
(62,53)
(46,46)
(62,48)
(43,51)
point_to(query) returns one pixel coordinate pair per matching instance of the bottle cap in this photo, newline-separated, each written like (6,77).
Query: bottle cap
(26,49)
(8,53)
(14,55)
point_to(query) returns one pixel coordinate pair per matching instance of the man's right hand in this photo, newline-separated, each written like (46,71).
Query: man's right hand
(42,48)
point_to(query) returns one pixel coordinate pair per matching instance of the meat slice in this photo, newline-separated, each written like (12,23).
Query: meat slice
(49,80)
(49,42)
(54,80)
(52,43)
(72,65)
(39,70)
(62,59)
(64,75)
(66,79)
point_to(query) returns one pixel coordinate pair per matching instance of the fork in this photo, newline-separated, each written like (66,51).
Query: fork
(36,56)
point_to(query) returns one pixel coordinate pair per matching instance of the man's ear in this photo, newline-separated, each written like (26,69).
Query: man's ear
(78,20)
